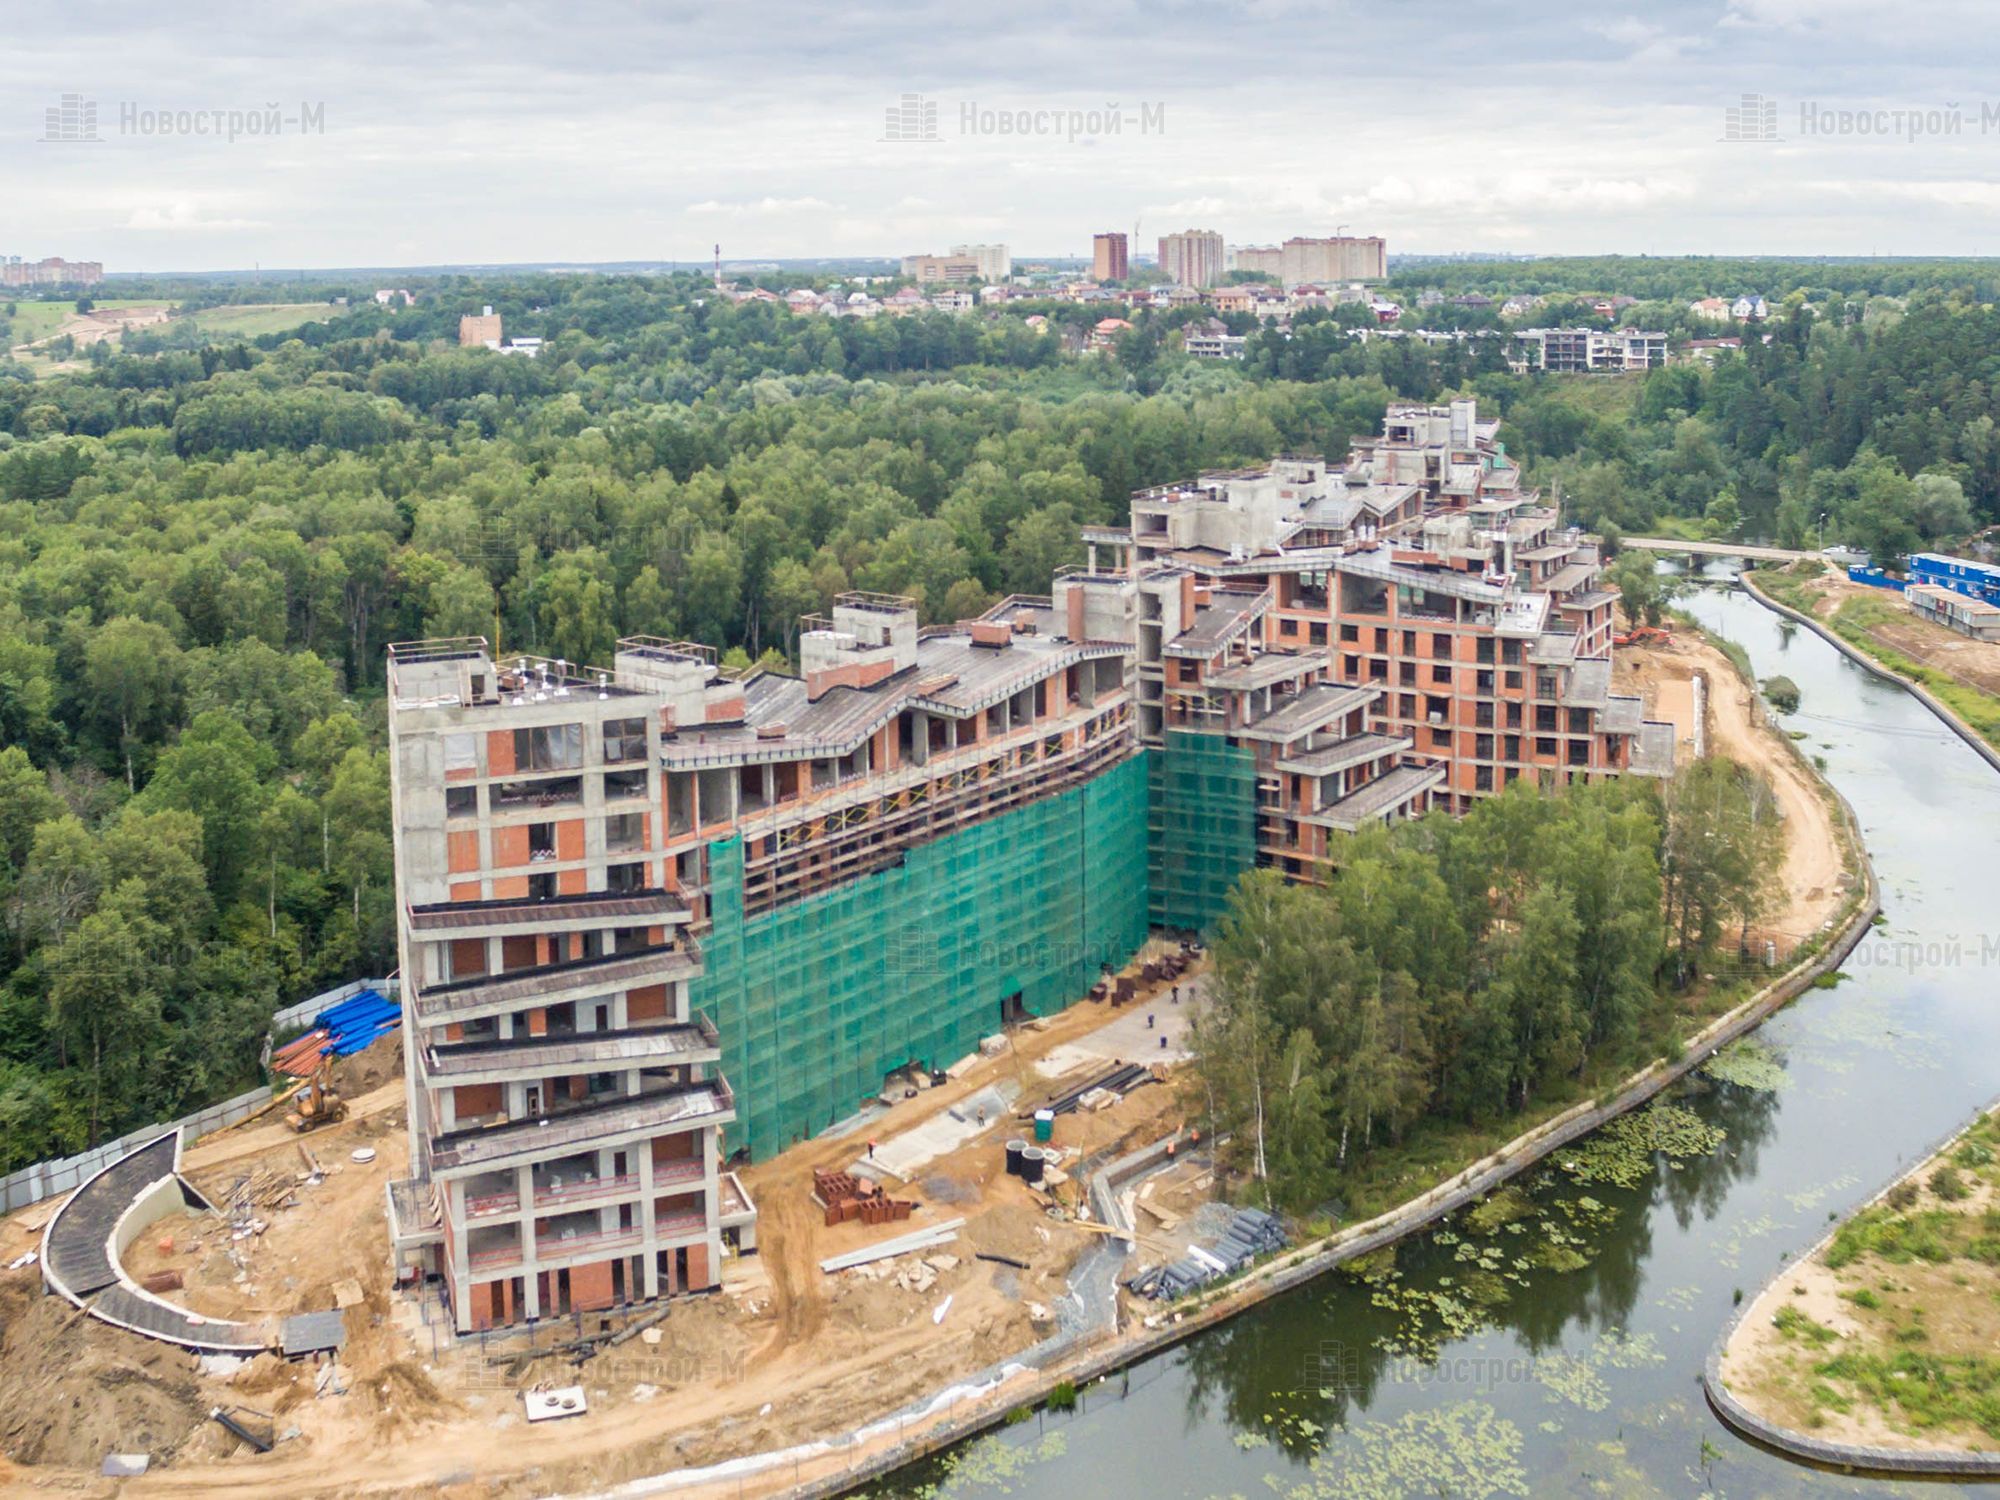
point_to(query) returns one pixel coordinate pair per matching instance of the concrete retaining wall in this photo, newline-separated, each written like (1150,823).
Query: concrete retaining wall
(1795,1444)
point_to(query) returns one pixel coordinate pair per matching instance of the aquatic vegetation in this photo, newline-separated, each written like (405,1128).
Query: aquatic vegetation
(1580,1378)
(1467,1450)
(991,1464)
(1748,1063)
(1622,1152)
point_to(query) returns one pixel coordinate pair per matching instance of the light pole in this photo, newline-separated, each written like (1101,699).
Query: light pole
(1822,531)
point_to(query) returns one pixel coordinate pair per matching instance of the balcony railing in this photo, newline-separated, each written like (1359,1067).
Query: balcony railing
(584,1190)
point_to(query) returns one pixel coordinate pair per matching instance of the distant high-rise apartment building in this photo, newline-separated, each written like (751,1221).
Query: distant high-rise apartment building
(1268,259)
(1192,258)
(1110,257)
(993,261)
(1305,259)
(51,271)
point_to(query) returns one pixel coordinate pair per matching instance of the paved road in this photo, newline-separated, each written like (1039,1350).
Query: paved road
(1715,549)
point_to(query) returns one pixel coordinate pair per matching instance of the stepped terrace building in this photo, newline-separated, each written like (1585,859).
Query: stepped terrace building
(612,884)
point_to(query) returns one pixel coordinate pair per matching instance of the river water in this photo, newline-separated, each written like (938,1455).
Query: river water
(1586,1381)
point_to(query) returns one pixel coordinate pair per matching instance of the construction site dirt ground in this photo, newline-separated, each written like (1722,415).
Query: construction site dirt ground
(1811,875)
(784,1353)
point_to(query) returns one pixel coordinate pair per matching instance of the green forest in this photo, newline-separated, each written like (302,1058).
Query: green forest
(205,546)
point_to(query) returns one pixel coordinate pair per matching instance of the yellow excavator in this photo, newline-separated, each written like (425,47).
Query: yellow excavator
(316,1104)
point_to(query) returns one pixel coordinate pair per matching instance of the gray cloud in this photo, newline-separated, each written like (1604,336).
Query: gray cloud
(599,130)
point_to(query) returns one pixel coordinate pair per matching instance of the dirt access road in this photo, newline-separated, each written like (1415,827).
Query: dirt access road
(1736,726)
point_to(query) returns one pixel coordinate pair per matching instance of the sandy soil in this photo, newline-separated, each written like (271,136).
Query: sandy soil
(783,1355)
(1811,875)
(1958,1301)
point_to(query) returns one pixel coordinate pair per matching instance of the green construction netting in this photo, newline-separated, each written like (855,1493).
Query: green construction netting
(817,1000)
(1204,826)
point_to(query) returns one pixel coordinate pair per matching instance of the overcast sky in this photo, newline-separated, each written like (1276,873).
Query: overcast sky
(594,130)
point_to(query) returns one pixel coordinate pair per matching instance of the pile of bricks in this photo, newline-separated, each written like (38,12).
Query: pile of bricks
(846,1197)
(1123,991)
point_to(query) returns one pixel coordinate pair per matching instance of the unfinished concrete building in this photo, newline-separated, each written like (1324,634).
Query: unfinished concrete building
(610,881)
(1419,569)
(564,1100)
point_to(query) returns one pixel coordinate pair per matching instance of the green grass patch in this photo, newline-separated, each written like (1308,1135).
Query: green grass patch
(1933,1235)
(1794,1324)
(1924,1390)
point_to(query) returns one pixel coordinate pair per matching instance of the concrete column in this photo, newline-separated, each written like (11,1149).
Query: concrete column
(650,1242)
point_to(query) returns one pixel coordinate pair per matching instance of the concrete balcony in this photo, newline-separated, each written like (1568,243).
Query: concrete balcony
(553,984)
(581,1192)
(607,1121)
(599,909)
(531,1057)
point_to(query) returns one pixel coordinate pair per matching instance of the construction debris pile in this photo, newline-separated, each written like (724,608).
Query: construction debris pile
(844,1197)
(1251,1233)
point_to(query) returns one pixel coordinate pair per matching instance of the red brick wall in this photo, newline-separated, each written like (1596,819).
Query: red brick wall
(590,1286)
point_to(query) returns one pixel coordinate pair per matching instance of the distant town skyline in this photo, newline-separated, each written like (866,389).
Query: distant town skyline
(445,133)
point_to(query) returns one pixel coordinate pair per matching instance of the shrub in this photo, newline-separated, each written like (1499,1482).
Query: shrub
(1782,693)
(1063,1397)
(1948,1185)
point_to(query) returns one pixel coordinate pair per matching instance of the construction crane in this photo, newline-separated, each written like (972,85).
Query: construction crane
(316,1104)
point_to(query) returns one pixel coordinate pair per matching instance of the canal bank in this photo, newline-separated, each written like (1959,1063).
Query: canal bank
(1589,1377)
(1855,654)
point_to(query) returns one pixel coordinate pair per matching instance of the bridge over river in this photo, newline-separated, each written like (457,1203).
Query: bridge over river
(1715,549)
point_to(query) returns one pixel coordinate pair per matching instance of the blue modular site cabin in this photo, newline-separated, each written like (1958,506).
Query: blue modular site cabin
(1976,580)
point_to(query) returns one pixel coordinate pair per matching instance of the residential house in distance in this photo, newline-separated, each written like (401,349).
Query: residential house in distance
(1211,339)
(1266,260)
(1706,351)
(1570,351)
(1304,258)
(479,330)
(1749,309)
(1104,335)
(1715,309)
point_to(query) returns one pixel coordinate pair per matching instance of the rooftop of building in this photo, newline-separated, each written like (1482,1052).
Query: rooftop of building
(955,676)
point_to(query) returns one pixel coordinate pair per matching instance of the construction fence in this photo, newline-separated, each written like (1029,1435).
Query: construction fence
(819,1000)
(53,1179)
(1204,827)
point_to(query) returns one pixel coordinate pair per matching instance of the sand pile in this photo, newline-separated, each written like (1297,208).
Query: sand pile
(73,1389)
